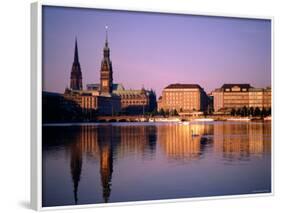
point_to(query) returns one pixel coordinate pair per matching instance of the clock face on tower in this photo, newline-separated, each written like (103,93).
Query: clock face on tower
(104,83)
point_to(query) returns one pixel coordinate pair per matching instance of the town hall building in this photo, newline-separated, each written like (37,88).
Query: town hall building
(106,98)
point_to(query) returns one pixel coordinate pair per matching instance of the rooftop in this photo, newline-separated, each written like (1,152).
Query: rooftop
(97,86)
(236,85)
(128,92)
(183,86)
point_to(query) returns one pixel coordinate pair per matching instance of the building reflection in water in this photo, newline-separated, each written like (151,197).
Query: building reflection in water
(136,140)
(103,142)
(105,145)
(236,141)
(182,143)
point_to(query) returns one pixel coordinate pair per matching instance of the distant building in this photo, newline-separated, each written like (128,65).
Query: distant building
(105,97)
(183,98)
(136,101)
(92,101)
(234,96)
(231,96)
(132,101)
(267,97)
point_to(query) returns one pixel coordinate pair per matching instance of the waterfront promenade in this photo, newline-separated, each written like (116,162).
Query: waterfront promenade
(145,118)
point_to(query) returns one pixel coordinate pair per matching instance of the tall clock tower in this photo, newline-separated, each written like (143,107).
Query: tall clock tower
(106,79)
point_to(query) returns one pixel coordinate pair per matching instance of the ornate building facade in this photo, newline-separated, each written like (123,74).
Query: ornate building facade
(133,101)
(136,101)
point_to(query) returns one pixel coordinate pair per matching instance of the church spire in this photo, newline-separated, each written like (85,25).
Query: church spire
(76,58)
(106,50)
(76,74)
(106,36)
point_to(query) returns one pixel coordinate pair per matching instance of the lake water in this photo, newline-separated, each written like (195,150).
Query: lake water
(115,162)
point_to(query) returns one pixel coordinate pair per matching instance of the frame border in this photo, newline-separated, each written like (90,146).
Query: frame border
(36,101)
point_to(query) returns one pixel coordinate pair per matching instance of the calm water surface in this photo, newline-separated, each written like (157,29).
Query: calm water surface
(98,163)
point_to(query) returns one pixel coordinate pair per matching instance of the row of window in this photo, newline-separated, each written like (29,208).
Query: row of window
(180,102)
(181,95)
(133,96)
(236,90)
(181,98)
(182,105)
(134,102)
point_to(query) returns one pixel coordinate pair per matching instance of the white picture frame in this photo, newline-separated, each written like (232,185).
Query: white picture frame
(36,104)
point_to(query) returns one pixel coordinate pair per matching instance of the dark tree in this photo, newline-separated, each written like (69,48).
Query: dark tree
(251,111)
(174,112)
(154,112)
(244,111)
(263,112)
(268,112)
(162,112)
(233,111)
(257,111)
(238,112)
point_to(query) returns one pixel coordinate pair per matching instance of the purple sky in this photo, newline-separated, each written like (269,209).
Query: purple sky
(154,49)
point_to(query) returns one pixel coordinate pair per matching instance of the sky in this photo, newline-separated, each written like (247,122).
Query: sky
(155,49)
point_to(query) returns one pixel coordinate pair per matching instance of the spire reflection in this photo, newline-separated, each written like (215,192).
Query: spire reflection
(76,167)
(105,145)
